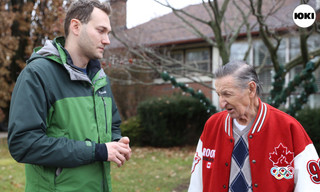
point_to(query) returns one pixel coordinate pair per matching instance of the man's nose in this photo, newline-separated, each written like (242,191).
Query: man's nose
(106,40)
(222,102)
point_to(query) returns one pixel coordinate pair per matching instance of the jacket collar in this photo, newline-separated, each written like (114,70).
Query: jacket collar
(258,123)
(54,50)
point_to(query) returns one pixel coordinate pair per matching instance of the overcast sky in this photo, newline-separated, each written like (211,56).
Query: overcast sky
(141,11)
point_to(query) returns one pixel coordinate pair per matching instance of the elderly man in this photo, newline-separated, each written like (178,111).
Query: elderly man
(252,146)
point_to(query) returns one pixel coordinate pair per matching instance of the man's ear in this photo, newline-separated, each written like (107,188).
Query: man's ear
(75,26)
(252,88)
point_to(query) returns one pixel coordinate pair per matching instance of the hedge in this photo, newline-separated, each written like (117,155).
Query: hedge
(168,121)
(310,120)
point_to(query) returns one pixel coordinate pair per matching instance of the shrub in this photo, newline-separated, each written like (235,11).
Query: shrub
(172,121)
(310,120)
(132,128)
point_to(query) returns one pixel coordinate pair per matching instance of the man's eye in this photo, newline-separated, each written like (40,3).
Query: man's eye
(226,94)
(101,30)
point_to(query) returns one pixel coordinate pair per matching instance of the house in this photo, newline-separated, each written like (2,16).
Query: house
(169,33)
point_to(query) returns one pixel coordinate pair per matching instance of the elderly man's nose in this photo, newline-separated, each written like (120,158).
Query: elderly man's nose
(222,103)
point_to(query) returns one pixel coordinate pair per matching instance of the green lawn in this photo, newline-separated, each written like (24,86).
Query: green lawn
(149,170)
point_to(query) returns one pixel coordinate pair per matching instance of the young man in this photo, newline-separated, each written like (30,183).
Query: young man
(252,146)
(64,123)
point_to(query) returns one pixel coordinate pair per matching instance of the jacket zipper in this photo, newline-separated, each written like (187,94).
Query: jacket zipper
(105,112)
(104,176)
(104,186)
(95,111)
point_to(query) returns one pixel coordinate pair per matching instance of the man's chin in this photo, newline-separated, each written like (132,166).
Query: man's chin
(97,57)
(233,115)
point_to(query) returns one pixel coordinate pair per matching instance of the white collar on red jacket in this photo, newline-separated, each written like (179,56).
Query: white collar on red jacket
(257,125)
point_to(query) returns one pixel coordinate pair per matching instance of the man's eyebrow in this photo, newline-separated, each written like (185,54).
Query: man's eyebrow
(104,28)
(224,92)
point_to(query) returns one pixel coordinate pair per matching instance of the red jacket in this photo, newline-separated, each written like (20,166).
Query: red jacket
(282,156)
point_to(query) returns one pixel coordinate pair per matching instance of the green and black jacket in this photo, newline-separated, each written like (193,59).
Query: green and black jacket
(57,115)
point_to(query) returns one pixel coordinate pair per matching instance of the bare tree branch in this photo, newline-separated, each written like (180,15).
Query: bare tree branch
(264,31)
(144,55)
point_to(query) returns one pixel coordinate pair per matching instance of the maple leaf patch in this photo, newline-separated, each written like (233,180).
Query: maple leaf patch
(282,159)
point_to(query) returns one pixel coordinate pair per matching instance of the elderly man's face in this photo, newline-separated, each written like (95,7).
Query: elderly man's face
(232,98)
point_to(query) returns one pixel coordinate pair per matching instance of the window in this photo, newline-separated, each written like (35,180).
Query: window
(313,42)
(191,61)
(198,60)
(261,54)
(177,67)
(265,76)
(238,51)
(282,50)
(177,55)
(264,68)
(294,47)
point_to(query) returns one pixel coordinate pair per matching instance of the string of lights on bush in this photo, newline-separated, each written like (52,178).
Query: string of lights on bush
(185,88)
(280,95)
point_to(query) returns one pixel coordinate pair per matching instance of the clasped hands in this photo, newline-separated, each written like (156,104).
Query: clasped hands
(120,151)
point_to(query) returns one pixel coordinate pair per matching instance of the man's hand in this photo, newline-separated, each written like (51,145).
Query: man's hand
(126,140)
(120,151)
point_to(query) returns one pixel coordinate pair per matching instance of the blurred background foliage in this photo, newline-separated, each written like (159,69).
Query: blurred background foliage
(24,26)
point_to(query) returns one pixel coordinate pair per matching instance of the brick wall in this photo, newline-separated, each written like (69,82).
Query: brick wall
(167,89)
(118,16)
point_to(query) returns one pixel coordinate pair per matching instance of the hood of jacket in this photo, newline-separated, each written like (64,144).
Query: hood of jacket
(54,50)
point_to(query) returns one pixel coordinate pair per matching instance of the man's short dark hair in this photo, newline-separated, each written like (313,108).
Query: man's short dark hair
(81,10)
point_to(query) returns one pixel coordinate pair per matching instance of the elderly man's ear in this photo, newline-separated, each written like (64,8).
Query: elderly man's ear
(252,88)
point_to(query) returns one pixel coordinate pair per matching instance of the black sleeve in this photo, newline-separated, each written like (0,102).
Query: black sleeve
(101,152)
